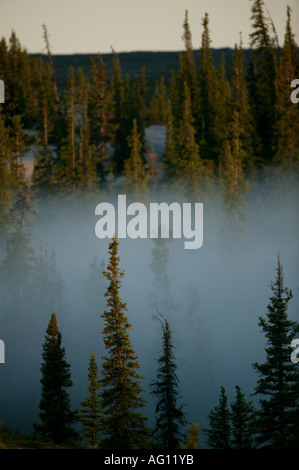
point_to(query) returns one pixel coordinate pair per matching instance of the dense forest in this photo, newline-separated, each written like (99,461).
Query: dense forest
(230,139)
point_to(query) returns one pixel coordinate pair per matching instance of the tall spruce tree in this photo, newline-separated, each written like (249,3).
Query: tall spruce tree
(88,155)
(100,111)
(158,104)
(186,75)
(169,414)
(6,189)
(242,421)
(237,161)
(264,66)
(65,168)
(219,431)
(57,418)
(118,97)
(90,414)
(135,173)
(124,425)
(286,128)
(207,84)
(277,375)
(192,171)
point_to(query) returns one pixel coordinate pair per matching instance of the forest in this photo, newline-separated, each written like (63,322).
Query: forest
(133,343)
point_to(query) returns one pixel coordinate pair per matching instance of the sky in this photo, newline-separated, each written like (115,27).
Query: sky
(92,26)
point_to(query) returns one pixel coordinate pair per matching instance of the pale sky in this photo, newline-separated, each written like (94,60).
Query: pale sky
(92,26)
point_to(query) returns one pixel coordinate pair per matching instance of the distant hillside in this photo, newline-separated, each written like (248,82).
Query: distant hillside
(155,63)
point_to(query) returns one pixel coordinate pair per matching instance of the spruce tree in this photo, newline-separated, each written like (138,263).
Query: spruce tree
(90,414)
(263,80)
(237,160)
(169,154)
(89,160)
(290,39)
(57,418)
(191,170)
(5,174)
(192,439)
(100,112)
(277,375)
(286,128)
(19,148)
(158,105)
(65,169)
(242,421)
(117,90)
(186,75)
(169,414)
(219,432)
(207,78)
(135,173)
(124,425)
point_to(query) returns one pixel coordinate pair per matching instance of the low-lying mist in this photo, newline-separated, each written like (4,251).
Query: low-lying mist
(212,298)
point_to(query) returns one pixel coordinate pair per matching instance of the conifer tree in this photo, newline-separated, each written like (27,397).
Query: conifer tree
(124,425)
(238,156)
(222,110)
(169,154)
(140,109)
(100,111)
(48,130)
(158,105)
(117,89)
(286,128)
(277,374)
(88,155)
(192,439)
(207,78)
(19,148)
(90,414)
(190,168)
(290,40)
(5,174)
(186,75)
(135,172)
(242,421)
(57,418)
(65,168)
(169,414)
(219,432)
(263,80)
(51,65)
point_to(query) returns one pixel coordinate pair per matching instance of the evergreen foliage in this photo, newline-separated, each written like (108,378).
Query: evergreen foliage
(219,431)
(57,418)
(169,414)
(124,425)
(242,422)
(192,440)
(277,375)
(90,414)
